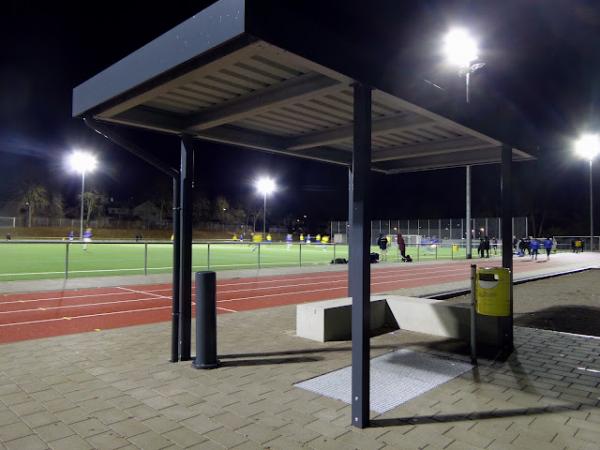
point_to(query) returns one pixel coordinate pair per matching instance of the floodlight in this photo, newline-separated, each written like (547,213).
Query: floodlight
(265,185)
(588,146)
(460,48)
(82,162)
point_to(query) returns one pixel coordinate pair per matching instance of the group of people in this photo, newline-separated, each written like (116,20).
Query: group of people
(533,245)
(87,237)
(383,243)
(483,249)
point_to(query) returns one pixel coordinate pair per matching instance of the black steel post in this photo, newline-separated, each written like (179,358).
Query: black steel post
(185,255)
(473,327)
(206,321)
(507,254)
(359,270)
(176,247)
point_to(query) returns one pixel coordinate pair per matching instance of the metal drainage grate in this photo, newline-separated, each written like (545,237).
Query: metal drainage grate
(396,378)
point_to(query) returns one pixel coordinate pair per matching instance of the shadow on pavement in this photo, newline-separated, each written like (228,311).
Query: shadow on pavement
(569,319)
(482,415)
(268,361)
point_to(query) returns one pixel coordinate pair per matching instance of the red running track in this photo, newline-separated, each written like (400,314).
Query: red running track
(44,314)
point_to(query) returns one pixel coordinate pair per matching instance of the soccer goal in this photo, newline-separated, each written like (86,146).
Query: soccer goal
(8,222)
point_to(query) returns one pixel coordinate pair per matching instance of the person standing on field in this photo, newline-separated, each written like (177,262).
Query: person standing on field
(534,246)
(382,242)
(548,246)
(401,246)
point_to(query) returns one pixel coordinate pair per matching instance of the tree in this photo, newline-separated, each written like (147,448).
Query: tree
(201,208)
(164,199)
(148,212)
(56,207)
(94,203)
(35,198)
(221,212)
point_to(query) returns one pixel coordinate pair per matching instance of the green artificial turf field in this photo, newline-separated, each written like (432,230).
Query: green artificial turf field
(21,261)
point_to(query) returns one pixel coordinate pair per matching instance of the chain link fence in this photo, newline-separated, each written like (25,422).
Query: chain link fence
(448,231)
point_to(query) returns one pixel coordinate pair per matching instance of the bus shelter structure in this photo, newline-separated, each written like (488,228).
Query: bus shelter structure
(223,77)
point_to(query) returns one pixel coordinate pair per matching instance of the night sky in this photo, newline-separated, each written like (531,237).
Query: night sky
(541,85)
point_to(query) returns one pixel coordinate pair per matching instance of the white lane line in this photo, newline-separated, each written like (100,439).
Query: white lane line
(84,316)
(142,292)
(166,307)
(66,297)
(85,305)
(386,274)
(226,309)
(312,291)
(313,283)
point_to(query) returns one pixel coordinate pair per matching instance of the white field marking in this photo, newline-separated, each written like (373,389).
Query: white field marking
(141,269)
(84,316)
(329,281)
(311,291)
(253,264)
(154,292)
(142,292)
(85,305)
(588,370)
(226,309)
(166,307)
(63,298)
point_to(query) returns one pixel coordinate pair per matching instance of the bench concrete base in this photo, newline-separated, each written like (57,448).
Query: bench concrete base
(331,320)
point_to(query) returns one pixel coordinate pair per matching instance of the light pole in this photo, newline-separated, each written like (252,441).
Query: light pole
(82,163)
(461,50)
(265,186)
(588,147)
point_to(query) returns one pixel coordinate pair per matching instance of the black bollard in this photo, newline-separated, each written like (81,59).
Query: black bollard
(206,321)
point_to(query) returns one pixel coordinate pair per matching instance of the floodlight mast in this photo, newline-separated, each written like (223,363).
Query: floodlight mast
(82,162)
(265,186)
(461,50)
(588,147)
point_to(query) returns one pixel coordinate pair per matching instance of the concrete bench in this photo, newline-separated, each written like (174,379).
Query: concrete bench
(331,320)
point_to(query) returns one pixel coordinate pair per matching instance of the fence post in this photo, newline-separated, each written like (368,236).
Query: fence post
(436,252)
(145,258)
(418,250)
(258,243)
(334,251)
(208,256)
(67,261)
(300,253)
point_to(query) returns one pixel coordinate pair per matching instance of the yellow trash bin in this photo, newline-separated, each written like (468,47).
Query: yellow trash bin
(454,248)
(493,291)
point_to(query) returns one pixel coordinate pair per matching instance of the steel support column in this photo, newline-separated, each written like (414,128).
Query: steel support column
(359,270)
(176,247)
(468,207)
(185,249)
(507,254)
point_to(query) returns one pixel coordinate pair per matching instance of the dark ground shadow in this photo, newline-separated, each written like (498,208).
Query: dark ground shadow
(268,361)
(481,415)
(570,319)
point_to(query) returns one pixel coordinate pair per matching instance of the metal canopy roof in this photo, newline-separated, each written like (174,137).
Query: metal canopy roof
(211,79)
